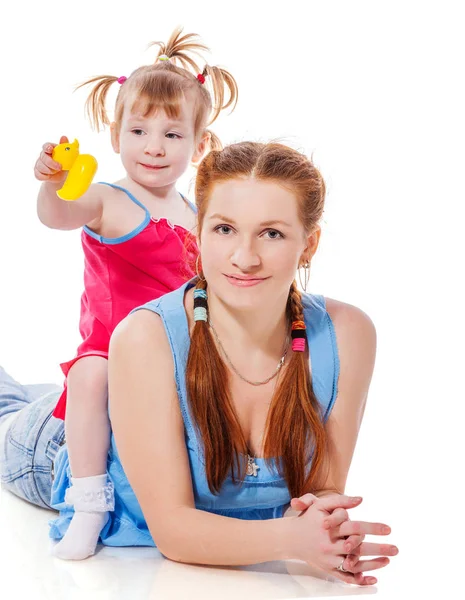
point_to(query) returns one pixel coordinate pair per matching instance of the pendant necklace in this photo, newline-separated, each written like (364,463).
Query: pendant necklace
(252,466)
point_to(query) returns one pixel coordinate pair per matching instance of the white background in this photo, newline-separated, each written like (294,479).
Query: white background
(374,91)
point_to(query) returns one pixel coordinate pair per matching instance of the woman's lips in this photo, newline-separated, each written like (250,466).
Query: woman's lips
(245,281)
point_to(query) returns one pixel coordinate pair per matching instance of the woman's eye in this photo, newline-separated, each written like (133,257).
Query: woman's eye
(273,234)
(223,229)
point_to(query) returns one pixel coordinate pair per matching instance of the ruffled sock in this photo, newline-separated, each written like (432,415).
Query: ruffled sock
(93,498)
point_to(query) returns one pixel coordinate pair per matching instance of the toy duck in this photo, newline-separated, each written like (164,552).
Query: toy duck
(81,167)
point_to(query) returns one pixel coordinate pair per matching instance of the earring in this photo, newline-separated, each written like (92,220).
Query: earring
(197,268)
(306,267)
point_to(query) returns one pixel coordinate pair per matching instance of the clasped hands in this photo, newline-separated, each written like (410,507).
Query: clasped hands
(328,539)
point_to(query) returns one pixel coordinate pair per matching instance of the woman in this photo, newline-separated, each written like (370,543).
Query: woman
(234,393)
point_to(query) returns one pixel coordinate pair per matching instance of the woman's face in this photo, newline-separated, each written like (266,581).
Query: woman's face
(252,242)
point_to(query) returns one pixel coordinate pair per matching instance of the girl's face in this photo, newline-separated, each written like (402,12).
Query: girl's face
(157,150)
(252,242)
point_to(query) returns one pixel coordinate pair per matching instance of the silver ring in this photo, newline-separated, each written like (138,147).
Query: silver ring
(341,566)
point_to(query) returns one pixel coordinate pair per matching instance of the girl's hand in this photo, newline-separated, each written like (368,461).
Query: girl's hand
(47,169)
(324,537)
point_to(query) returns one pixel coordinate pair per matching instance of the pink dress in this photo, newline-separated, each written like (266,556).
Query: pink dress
(123,273)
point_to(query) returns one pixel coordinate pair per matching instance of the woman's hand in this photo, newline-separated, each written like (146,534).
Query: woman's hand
(338,516)
(335,540)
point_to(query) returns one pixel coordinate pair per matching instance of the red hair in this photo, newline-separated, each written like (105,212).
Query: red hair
(294,430)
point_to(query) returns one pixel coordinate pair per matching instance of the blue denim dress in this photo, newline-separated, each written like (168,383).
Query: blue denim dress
(264,496)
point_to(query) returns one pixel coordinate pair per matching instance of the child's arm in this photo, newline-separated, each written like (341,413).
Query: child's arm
(60,214)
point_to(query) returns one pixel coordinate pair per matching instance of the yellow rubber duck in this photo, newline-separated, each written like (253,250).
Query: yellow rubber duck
(81,167)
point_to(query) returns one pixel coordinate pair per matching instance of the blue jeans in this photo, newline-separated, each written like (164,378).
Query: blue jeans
(32,439)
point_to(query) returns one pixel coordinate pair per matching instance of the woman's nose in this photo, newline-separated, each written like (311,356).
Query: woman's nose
(245,257)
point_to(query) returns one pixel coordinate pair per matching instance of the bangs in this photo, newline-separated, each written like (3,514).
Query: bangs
(147,106)
(151,89)
(165,91)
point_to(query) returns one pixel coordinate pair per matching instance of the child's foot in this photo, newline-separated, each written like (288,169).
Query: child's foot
(93,498)
(80,541)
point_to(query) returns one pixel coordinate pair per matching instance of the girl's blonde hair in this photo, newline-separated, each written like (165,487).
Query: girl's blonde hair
(164,84)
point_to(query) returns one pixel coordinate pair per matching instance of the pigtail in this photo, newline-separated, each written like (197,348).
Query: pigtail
(96,100)
(177,49)
(221,80)
(294,428)
(215,142)
(207,384)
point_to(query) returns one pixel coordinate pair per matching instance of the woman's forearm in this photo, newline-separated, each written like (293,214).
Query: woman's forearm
(195,536)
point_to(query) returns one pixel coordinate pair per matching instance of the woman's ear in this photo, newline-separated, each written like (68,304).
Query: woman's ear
(114,137)
(312,244)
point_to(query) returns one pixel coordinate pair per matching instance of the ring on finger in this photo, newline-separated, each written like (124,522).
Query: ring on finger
(341,566)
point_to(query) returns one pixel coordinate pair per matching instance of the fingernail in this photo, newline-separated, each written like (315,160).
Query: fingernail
(386,530)
(348,547)
(356,498)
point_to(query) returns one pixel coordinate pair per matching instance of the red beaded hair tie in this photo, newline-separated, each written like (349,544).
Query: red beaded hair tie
(201,78)
(298,336)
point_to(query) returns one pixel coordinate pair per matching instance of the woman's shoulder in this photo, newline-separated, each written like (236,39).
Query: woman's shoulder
(139,331)
(355,331)
(349,317)
(148,325)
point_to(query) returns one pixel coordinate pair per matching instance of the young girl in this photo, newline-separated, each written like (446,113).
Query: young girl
(137,241)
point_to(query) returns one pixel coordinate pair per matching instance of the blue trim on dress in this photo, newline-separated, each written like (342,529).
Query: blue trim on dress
(131,234)
(336,365)
(139,228)
(191,204)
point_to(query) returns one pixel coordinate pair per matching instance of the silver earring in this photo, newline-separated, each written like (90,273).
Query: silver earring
(306,267)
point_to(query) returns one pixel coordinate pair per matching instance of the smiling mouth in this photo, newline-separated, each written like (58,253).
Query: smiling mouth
(154,167)
(247,278)
(245,281)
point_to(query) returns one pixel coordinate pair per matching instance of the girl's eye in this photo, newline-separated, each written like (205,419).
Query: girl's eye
(173,136)
(137,131)
(274,234)
(223,229)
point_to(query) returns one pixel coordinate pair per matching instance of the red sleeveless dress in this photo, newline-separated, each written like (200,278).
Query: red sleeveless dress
(123,273)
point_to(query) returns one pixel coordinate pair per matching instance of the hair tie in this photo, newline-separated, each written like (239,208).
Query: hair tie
(201,78)
(164,57)
(121,79)
(298,335)
(200,305)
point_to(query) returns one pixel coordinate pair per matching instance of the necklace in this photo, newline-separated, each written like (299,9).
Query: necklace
(252,466)
(278,368)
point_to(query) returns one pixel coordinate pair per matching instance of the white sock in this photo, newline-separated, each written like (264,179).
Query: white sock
(92,498)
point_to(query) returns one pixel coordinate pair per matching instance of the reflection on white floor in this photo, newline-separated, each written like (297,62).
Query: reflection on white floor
(27,570)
